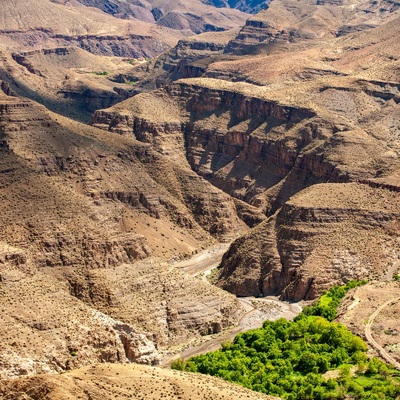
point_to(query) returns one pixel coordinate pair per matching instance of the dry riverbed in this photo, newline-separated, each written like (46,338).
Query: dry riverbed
(257,310)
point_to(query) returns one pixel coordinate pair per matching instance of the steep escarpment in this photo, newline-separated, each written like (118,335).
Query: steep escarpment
(325,235)
(254,148)
(190,58)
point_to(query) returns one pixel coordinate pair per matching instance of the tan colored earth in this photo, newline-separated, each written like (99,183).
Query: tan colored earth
(358,307)
(278,140)
(111,381)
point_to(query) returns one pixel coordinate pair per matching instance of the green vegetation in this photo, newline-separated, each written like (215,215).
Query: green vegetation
(104,73)
(72,351)
(327,305)
(291,359)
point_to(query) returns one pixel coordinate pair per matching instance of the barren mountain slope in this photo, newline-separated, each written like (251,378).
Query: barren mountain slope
(108,381)
(62,55)
(68,80)
(61,318)
(324,235)
(39,23)
(76,59)
(286,21)
(79,203)
(194,16)
(42,23)
(322,114)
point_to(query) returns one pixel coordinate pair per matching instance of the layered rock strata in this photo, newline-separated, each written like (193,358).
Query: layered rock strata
(257,150)
(327,234)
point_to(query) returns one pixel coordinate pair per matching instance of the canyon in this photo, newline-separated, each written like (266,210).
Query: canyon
(130,148)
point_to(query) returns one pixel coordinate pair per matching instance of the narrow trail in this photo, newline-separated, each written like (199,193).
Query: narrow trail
(372,341)
(391,270)
(257,310)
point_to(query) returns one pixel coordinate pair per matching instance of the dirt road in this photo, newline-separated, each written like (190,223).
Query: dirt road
(372,341)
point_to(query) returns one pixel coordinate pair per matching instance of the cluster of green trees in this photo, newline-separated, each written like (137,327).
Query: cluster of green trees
(328,304)
(291,359)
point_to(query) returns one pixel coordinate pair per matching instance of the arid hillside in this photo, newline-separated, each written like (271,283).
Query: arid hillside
(286,21)
(42,23)
(194,16)
(80,208)
(280,137)
(75,58)
(263,128)
(109,381)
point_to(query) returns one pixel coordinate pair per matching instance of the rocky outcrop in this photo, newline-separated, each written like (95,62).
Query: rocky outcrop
(179,308)
(66,250)
(137,347)
(92,99)
(235,140)
(23,57)
(255,35)
(128,45)
(6,89)
(98,338)
(314,242)
(134,46)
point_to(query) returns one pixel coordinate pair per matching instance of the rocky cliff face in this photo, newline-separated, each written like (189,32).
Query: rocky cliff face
(55,332)
(178,309)
(255,149)
(327,234)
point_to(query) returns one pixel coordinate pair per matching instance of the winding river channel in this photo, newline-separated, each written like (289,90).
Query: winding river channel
(257,310)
